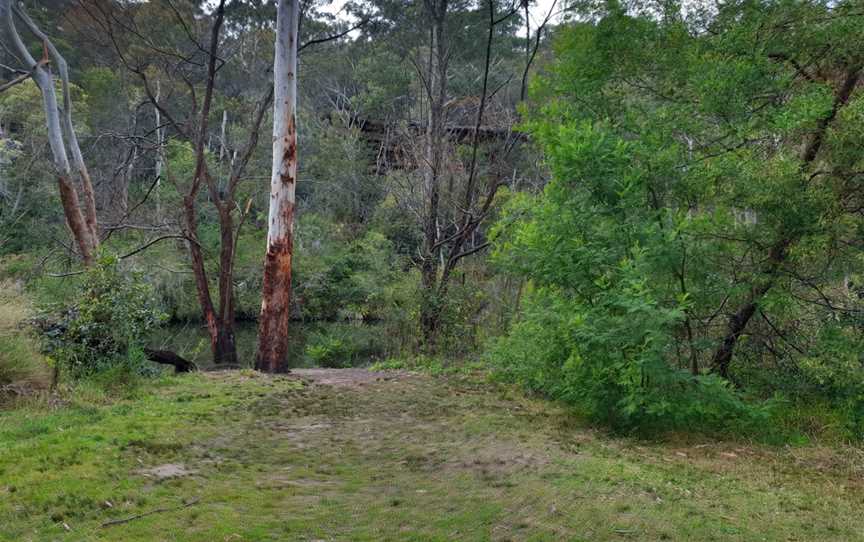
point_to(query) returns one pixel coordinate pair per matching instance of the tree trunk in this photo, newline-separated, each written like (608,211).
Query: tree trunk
(430,314)
(160,152)
(226,349)
(199,273)
(75,219)
(82,224)
(276,287)
(523,87)
(738,321)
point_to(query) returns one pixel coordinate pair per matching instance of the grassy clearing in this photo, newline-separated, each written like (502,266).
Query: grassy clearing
(392,458)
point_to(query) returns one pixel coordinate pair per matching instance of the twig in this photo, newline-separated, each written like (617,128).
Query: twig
(193,502)
(333,37)
(147,245)
(23,75)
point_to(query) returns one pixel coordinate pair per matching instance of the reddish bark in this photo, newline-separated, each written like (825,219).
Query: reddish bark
(276,288)
(275,308)
(275,315)
(84,236)
(199,273)
(226,350)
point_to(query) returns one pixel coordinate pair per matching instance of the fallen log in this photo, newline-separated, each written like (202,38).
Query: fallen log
(167,357)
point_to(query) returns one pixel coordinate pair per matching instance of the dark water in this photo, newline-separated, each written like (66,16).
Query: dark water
(350,344)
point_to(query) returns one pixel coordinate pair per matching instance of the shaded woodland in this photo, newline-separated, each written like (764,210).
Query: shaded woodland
(649,210)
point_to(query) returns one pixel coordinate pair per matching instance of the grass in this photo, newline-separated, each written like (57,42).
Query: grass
(21,362)
(413,458)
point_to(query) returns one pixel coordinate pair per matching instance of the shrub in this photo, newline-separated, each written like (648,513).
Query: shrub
(343,345)
(104,327)
(428,364)
(610,359)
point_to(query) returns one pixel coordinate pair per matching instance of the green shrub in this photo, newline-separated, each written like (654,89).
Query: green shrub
(339,345)
(428,364)
(610,359)
(104,327)
(608,353)
(339,277)
(329,352)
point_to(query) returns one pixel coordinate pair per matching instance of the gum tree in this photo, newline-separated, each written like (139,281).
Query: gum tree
(73,179)
(276,287)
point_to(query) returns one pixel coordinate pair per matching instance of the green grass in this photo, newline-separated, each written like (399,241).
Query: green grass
(412,458)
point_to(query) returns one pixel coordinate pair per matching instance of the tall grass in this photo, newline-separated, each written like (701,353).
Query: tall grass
(21,363)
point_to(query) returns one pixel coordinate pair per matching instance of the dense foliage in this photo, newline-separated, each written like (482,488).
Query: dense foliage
(105,326)
(701,216)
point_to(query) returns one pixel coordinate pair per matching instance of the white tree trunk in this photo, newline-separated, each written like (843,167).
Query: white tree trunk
(276,288)
(82,224)
(223,135)
(68,127)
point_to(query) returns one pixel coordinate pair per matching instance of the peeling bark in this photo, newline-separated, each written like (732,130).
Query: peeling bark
(276,288)
(75,220)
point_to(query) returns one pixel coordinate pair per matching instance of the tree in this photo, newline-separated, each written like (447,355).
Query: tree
(276,288)
(62,137)
(181,62)
(449,237)
(705,170)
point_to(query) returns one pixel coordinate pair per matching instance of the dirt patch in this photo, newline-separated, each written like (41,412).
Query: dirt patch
(167,471)
(348,378)
(501,459)
(293,483)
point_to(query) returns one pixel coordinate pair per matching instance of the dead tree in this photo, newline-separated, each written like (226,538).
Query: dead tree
(451,237)
(167,357)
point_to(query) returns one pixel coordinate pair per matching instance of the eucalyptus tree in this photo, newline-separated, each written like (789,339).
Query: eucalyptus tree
(175,55)
(276,294)
(78,208)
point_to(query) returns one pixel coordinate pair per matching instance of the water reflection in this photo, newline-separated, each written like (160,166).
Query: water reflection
(339,344)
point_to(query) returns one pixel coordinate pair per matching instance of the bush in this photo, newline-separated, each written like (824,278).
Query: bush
(610,359)
(428,364)
(340,277)
(104,327)
(343,345)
